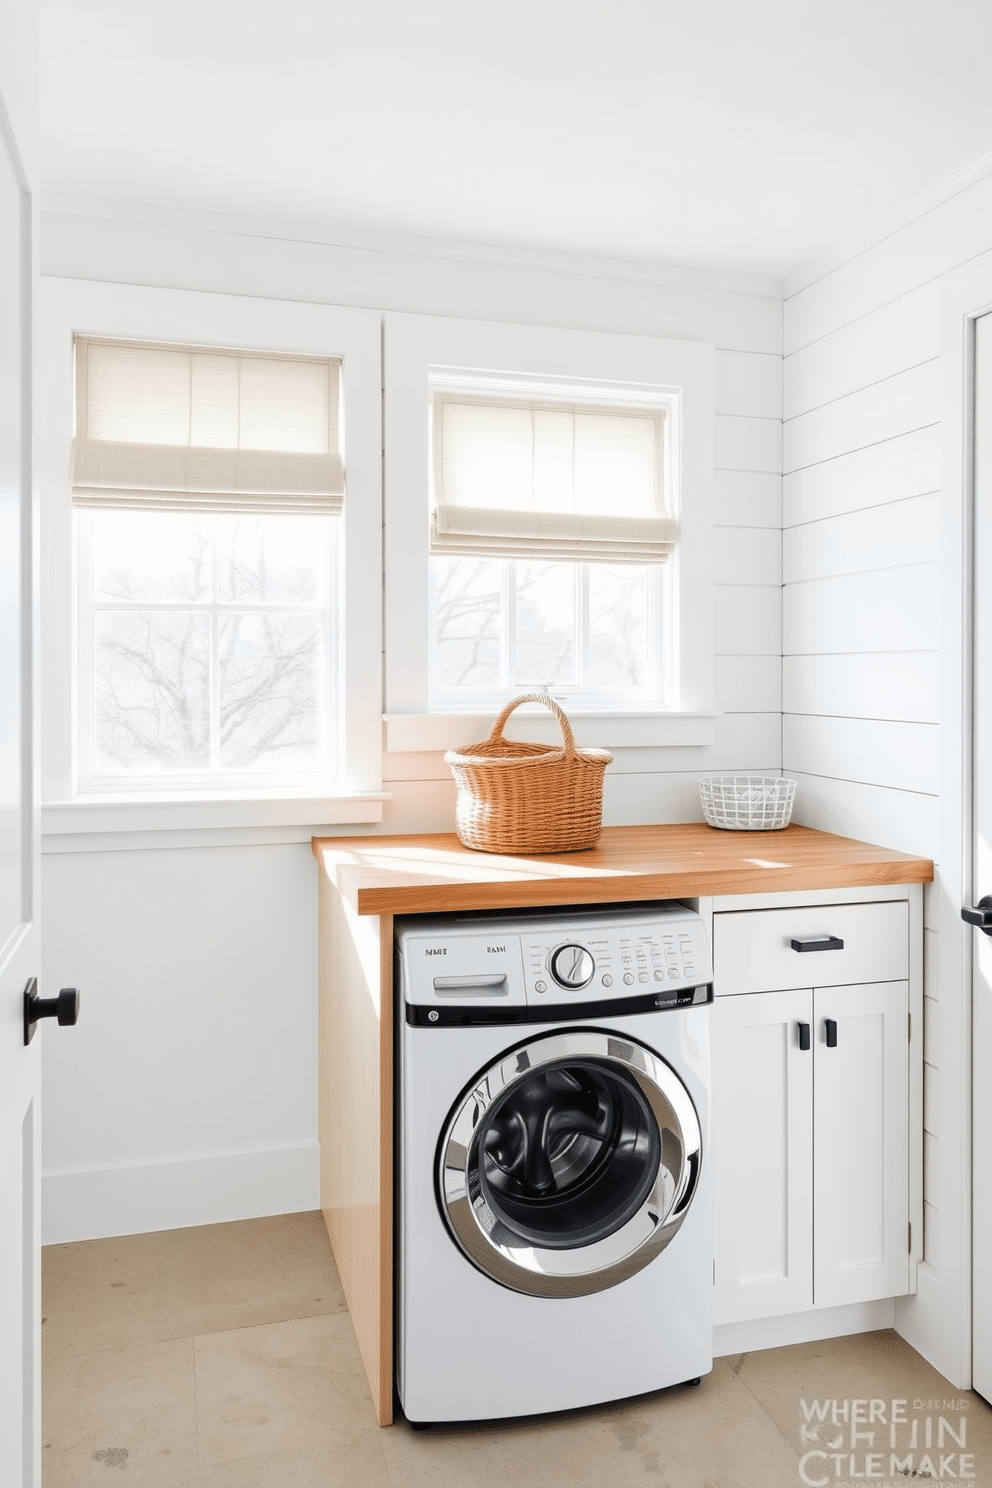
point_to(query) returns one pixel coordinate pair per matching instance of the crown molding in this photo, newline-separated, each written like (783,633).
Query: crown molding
(365,240)
(887,224)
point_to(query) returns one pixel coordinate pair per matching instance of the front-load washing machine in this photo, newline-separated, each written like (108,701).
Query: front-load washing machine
(554,1185)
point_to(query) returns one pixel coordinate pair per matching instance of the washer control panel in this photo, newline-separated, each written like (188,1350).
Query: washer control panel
(555,960)
(598,961)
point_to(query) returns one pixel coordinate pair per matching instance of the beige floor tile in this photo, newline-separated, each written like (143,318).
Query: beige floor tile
(99,1294)
(67,1470)
(130,1408)
(573,1450)
(175,1283)
(280,1386)
(869,1366)
(714,1434)
(341,1464)
(239,1275)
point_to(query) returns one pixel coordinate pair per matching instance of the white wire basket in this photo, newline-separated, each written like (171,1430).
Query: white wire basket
(747,803)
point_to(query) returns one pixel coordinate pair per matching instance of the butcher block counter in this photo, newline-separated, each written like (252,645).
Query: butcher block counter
(365,881)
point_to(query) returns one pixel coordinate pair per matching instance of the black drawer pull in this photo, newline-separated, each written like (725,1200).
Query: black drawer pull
(817,943)
(804,1036)
(830,1024)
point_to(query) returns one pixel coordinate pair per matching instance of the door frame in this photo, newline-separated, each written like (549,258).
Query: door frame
(938,1321)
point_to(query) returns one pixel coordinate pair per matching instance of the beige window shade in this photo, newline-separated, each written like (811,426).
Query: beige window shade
(525,479)
(176,427)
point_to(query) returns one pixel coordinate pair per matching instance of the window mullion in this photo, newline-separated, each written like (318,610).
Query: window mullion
(508,645)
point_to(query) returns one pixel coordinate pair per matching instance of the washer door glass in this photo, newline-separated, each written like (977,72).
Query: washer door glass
(571,1164)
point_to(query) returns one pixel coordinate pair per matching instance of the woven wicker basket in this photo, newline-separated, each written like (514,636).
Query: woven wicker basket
(528,798)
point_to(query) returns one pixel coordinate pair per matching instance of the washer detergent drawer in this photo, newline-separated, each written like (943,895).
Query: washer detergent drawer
(827,945)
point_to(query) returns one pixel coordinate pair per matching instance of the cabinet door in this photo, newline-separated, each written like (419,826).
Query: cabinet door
(861,1143)
(762,1155)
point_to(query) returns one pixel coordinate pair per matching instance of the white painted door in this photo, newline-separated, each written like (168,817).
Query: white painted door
(860,1143)
(20,1437)
(762,1155)
(982,869)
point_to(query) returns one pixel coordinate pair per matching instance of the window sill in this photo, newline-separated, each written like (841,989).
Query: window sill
(122,820)
(415,733)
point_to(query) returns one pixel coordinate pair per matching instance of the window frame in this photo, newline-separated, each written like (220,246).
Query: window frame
(67,307)
(422,351)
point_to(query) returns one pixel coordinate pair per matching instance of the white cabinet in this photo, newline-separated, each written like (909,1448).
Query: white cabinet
(811,1132)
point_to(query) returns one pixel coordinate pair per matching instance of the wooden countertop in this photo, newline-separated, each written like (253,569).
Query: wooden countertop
(435,874)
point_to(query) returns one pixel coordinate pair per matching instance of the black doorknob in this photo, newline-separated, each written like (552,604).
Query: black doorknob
(64,1008)
(979,914)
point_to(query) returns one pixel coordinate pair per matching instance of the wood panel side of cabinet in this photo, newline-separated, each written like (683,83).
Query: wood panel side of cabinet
(356,1124)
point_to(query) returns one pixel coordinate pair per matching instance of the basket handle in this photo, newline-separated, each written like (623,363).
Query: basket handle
(549,702)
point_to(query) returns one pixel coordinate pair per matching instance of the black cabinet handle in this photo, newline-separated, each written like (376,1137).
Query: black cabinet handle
(64,1008)
(817,943)
(804,1036)
(979,914)
(830,1024)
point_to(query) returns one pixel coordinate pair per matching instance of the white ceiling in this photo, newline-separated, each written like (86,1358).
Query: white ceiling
(744,137)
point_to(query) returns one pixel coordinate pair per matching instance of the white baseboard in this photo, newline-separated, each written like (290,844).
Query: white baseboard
(97,1202)
(802,1327)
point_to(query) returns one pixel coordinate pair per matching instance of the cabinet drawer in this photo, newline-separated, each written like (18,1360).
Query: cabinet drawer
(752,949)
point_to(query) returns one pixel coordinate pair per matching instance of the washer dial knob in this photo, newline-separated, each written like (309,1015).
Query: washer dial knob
(572,966)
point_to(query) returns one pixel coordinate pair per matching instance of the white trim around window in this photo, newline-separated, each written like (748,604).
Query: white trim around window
(419,353)
(68,307)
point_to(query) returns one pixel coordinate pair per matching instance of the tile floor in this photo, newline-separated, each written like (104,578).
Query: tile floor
(223,1357)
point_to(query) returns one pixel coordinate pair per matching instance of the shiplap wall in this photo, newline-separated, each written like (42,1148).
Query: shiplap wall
(207,1042)
(862,494)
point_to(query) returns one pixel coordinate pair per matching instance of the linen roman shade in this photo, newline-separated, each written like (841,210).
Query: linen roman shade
(180,427)
(521,478)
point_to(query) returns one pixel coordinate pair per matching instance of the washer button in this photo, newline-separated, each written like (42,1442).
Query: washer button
(659,975)
(673,973)
(607,980)
(642,976)
(540,986)
(628,979)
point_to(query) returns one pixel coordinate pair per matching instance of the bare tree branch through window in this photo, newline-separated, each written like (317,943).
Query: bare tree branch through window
(209,643)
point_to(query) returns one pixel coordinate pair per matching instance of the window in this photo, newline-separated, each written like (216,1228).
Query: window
(205,646)
(208,484)
(547,525)
(548,532)
(588,630)
(218,619)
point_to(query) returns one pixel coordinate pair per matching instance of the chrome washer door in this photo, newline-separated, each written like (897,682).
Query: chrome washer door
(570,1164)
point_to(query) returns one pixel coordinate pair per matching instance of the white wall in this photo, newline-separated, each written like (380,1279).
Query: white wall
(187,1092)
(866,497)
(156,1116)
